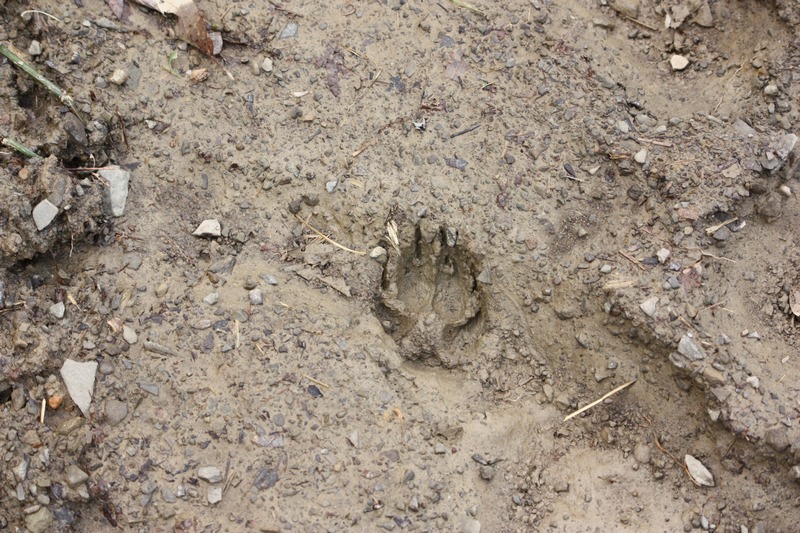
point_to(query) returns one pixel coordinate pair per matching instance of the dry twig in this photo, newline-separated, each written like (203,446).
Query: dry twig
(318,382)
(599,400)
(713,229)
(632,260)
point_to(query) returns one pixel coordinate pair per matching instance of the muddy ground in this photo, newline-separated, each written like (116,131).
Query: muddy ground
(442,231)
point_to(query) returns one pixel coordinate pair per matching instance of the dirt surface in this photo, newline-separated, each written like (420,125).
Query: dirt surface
(442,231)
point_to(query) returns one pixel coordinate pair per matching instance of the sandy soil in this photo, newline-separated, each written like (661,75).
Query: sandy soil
(442,231)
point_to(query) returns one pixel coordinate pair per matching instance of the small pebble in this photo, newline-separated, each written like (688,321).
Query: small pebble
(57,310)
(678,62)
(119,77)
(35,48)
(212,298)
(256,297)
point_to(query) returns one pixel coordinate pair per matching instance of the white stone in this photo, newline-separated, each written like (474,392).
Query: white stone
(266,65)
(44,213)
(678,62)
(663,254)
(623,127)
(57,310)
(129,334)
(208,228)
(641,156)
(79,379)
(35,49)
(378,253)
(649,306)
(118,77)
(698,472)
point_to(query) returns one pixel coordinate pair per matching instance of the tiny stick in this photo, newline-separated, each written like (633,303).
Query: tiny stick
(586,408)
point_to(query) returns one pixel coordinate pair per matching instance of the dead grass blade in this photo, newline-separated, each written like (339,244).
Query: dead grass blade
(328,239)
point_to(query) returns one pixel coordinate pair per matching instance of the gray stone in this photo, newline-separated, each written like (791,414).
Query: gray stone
(214,494)
(413,505)
(148,487)
(722,234)
(266,479)
(115,411)
(75,476)
(223,266)
(21,470)
(57,310)
(168,495)
(44,213)
(116,194)
(353,438)
(35,48)
(777,438)
(212,298)
(208,228)
(379,254)
(548,391)
(289,31)
(487,472)
(563,486)
(40,521)
(270,279)
(689,349)
(79,379)
(134,261)
(152,388)
(74,128)
(744,129)
(211,474)
(256,297)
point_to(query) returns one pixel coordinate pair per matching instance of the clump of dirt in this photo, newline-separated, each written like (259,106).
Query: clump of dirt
(77,210)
